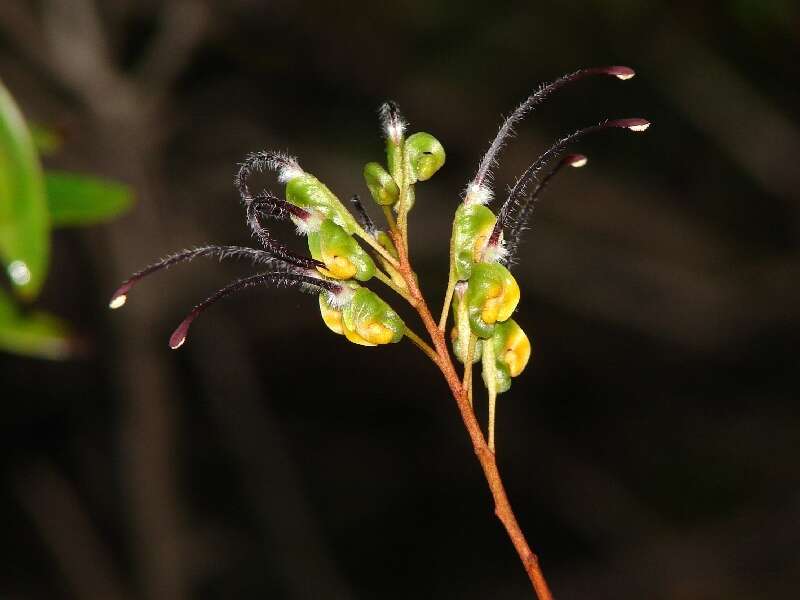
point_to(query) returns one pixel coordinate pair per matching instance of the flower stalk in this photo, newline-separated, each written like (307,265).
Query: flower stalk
(486,456)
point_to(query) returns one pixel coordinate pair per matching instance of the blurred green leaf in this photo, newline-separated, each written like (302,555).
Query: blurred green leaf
(46,141)
(36,334)
(24,223)
(81,200)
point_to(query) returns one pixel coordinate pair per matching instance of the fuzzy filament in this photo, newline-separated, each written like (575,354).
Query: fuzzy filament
(304,282)
(529,202)
(222,252)
(506,130)
(519,188)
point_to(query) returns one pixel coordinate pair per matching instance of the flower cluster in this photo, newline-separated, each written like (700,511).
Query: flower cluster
(483,246)
(482,294)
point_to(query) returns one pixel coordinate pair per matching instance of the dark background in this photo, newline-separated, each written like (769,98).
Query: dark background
(650,449)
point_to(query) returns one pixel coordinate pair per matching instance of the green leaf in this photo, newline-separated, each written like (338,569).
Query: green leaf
(75,200)
(24,224)
(47,141)
(37,334)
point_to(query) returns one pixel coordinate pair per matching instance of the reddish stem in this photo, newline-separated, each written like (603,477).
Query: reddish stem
(502,507)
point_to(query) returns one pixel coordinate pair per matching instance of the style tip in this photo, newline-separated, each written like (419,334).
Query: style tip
(576,161)
(178,337)
(620,72)
(117,301)
(636,125)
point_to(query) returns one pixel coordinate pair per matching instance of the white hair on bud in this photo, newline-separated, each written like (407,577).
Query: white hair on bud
(395,131)
(639,127)
(303,228)
(496,252)
(393,125)
(341,298)
(286,174)
(499,254)
(477,194)
(308,225)
(286,166)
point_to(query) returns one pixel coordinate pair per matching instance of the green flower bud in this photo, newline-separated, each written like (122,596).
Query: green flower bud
(331,306)
(369,321)
(344,258)
(424,156)
(308,192)
(331,316)
(381,185)
(492,296)
(472,227)
(394,128)
(512,348)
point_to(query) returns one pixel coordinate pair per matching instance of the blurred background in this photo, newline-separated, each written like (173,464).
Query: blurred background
(650,450)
